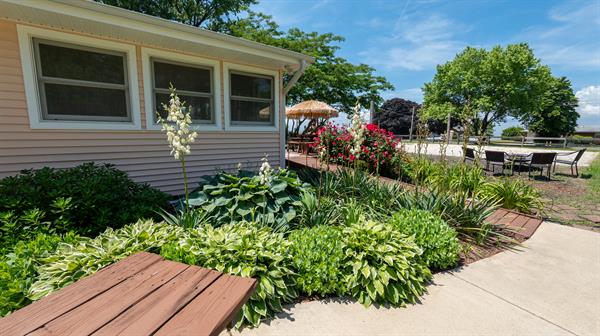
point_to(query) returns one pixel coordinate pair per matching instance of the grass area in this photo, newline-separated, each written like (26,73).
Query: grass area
(593,173)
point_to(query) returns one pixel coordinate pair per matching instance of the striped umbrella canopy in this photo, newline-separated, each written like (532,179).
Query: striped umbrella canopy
(311,109)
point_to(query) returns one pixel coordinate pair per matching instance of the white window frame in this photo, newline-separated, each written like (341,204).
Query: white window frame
(183,59)
(227,69)
(26,34)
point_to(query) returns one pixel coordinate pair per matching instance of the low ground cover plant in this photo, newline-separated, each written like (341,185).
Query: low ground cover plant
(86,199)
(318,253)
(437,239)
(243,249)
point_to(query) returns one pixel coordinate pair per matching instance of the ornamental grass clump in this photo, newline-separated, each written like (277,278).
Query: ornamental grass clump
(382,265)
(513,194)
(247,250)
(179,135)
(437,239)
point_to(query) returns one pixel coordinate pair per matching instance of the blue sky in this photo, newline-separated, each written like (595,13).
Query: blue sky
(405,39)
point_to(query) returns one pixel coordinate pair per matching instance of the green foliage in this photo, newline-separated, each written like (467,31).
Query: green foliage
(558,115)
(87,199)
(456,178)
(210,14)
(513,194)
(514,131)
(486,86)
(18,269)
(247,250)
(593,172)
(76,259)
(315,211)
(318,253)
(192,218)
(229,198)
(382,265)
(465,216)
(438,240)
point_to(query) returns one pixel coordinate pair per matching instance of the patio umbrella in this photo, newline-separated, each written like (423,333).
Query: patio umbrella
(311,109)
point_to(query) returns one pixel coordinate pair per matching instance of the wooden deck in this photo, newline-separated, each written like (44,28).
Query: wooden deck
(140,295)
(522,225)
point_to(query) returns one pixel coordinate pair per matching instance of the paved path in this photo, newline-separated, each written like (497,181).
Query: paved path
(456,150)
(550,287)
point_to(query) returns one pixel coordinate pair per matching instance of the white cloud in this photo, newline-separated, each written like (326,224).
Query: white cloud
(589,100)
(417,44)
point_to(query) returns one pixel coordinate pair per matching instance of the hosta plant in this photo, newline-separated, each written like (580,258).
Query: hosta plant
(74,260)
(232,198)
(438,240)
(18,269)
(247,250)
(382,265)
(318,254)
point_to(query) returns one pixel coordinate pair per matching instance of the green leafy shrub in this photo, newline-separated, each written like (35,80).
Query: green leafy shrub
(314,211)
(229,198)
(76,259)
(514,131)
(382,265)
(318,254)
(87,198)
(247,250)
(513,194)
(18,269)
(438,240)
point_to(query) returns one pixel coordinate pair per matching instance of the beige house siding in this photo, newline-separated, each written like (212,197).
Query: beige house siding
(143,154)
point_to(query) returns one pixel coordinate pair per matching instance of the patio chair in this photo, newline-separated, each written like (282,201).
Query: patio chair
(469,155)
(572,163)
(495,158)
(541,161)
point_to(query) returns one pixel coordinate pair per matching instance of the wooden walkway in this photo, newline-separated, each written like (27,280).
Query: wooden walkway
(523,226)
(140,295)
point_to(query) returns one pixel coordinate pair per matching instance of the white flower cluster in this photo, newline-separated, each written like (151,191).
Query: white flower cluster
(265,171)
(177,127)
(357,131)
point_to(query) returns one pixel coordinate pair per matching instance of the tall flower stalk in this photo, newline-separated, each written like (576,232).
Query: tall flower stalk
(179,135)
(357,131)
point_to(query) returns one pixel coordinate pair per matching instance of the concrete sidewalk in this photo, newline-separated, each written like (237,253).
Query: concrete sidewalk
(550,287)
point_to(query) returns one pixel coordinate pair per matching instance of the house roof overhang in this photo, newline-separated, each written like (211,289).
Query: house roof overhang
(98,19)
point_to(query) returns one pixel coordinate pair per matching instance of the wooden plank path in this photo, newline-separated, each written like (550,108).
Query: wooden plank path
(522,226)
(140,295)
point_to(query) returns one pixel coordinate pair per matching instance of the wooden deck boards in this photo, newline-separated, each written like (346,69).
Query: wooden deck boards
(140,295)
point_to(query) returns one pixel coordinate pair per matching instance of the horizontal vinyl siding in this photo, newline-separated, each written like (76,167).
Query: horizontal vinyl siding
(144,155)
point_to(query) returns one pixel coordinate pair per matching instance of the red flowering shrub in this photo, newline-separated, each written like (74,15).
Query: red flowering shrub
(378,150)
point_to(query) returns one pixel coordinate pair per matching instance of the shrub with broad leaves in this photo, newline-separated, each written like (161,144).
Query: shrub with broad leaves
(383,265)
(379,149)
(437,239)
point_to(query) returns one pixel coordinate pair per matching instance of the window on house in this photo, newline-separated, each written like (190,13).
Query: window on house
(251,99)
(193,85)
(81,83)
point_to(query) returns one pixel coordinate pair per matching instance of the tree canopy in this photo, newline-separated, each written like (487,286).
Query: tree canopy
(558,115)
(487,86)
(331,79)
(395,116)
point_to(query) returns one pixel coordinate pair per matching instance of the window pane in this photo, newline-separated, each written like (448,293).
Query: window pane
(71,100)
(251,111)
(250,86)
(78,64)
(182,77)
(201,109)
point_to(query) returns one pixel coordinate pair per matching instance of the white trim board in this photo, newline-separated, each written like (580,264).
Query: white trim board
(148,53)
(227,67)
(34,110)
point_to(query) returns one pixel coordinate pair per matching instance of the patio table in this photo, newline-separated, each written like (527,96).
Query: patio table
(518,159)
(143,294)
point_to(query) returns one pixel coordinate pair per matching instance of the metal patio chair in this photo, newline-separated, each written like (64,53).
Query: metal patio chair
(572,163)
(496,158)
(541,161)
(469,155)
